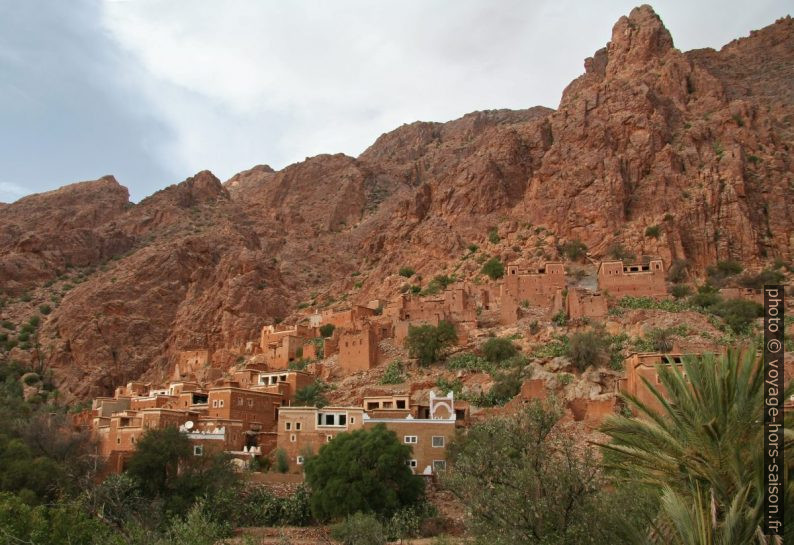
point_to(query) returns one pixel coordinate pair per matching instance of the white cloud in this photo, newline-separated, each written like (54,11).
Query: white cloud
(11,192)
(249,82)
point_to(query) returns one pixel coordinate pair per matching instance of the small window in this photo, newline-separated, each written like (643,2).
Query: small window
(412,463)
(328,438)
(220,403)
(118,440)
(198,450)
(288,426)
(239,401)
(292,438)
(438,441)
(299,459)
(132,439)
(250,402)
(298,426)
(410,439)
(400,403)
(439,465)
(214,403)
(352,419)
(342,419)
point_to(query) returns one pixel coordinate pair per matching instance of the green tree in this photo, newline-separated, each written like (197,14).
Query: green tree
(739,314)
(587,348)
(426,343)
(359,529)
(524,481)
(326,330)
(282,461)
(493,268)
(312,395)
(574,249)
(366,471)
(155,462)
(701,449)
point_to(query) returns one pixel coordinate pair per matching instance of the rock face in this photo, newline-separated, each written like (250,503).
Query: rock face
(696,143)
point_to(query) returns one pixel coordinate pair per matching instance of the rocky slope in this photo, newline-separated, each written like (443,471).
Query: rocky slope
(696,143)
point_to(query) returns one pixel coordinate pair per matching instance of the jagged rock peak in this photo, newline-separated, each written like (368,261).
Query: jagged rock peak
(639,37)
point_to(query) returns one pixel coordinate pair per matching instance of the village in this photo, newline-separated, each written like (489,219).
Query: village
(250,411)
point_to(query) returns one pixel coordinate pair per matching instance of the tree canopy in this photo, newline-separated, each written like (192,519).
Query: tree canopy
(426,343)
(364,471)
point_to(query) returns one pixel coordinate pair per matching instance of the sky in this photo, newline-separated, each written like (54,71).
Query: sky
(153,91)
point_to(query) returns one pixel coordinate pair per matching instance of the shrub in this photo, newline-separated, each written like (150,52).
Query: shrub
(574,249)
(653,231)
(738,313)
(717,274)
(366,471)
(505,388)
(679,291)
(9,325)
(587,348)
(282,462)
(473,248)
(661,339)
(617,251)
(493,235)
(326,330)
(765,277)
(497,349)
(393,374)
(359,529)
(706,297)
(407,272)
(45,309)
(493,268)
(25,297)
(427,342)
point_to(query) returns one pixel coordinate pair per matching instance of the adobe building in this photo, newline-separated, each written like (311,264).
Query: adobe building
(257,410)
(351,318)
(582,303)
(427,437)
(535,285)
(619,280)
(358,350)
(303,430)
(283,383)
(282,345)
(643,366)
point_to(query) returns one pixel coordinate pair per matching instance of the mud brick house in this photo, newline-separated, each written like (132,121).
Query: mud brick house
(619,280)
(536,286)
(283,383)
(303,430)
(585,304)
(352,318)
(643,366)
(257,410)
(358,349)
(284,344)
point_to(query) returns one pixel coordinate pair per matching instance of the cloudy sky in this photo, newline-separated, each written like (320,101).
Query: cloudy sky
(153,91)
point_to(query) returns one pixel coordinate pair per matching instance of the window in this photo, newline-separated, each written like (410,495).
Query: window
(438,441)
(299,459)
(410,439)
(439,465)
(328,438)
(352,419)
(332,419)
(220,403)
(214,403)
(251,402)
(292,438)
(412,463)
(198,450)
(298,426)
(288,426)
(118,440)
(400,403)
(239,401)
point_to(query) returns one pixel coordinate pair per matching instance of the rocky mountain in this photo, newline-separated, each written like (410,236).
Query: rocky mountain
(694,145)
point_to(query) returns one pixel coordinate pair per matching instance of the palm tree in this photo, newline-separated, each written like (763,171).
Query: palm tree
(703,450)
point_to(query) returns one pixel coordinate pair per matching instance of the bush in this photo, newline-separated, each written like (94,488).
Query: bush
(366,471)
(359,529)
(393,373)
(765,277)
(738,313)
(679,291)
(326,330)
(505,388)
(653,231)
(493,236)
(45,309)
(473,248)
(661,339)
(706,297)
(427,342)
(407,272)
(617,251)
(587,348)
(282,461)
(574,249)
(493,268)
(717,274)
(497,349)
